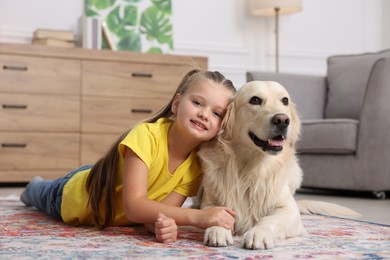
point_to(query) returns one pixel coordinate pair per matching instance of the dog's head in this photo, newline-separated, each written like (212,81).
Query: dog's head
(263,116)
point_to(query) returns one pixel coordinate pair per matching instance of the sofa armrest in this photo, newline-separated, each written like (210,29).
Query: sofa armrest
(308,92)
(374,138)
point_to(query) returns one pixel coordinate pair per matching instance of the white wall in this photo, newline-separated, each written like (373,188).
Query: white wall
(234,40)
(19,18)
(386,23)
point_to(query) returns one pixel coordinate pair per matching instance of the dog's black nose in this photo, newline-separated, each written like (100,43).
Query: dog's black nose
(280,120)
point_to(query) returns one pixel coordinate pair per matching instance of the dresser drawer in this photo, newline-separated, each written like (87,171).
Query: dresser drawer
(65,107)
(24,74)
(131,79)
(22,151)
(115,115)
(95,146)
(37,112)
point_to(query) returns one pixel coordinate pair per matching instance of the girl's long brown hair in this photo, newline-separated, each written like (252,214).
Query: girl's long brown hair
(102,177)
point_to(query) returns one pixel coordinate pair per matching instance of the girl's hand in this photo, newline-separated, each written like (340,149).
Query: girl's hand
(165,229)
(217,216)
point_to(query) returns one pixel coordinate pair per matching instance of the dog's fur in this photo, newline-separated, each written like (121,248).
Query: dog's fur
(251,167)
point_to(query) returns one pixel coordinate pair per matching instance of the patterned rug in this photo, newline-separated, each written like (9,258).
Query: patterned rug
(25,233)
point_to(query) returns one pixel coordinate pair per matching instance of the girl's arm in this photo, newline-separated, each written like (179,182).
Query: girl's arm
(139,209)
(165,228)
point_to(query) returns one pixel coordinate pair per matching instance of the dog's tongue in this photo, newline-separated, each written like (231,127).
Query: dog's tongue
(272,142)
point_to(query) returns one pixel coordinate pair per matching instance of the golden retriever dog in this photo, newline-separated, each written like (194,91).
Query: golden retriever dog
(251,167)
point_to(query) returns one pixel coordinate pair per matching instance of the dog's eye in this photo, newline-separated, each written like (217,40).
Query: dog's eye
(285,101)
(255,101)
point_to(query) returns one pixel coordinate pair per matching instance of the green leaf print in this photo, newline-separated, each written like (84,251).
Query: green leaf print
(91,12)
(133,26)
(133,1)
(156,25)
(100,4)
(163,5)
(130,42)
(116,23)
(155,50)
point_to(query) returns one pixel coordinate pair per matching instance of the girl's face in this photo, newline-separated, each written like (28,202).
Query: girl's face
(200,110)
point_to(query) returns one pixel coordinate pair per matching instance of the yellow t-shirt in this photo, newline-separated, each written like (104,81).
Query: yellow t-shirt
(149,142)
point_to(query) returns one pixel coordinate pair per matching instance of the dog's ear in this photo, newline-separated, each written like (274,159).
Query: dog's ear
(225,133)
(296,124)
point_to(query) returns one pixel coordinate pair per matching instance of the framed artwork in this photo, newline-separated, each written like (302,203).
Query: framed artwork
(135,25)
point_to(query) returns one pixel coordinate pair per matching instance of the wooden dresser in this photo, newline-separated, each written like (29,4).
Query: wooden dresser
(64,107)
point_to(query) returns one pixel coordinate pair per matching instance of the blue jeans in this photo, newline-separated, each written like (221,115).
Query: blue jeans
(46,195)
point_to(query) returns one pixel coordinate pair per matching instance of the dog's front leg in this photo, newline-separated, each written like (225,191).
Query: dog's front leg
(218,237)
(215,236)
(284,222)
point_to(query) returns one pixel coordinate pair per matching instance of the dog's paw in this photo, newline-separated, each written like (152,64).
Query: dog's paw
(258,238)
(218,237)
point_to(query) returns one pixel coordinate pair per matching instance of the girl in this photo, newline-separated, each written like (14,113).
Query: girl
(150,171)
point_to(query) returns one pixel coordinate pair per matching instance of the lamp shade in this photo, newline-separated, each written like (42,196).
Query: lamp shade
(267,7)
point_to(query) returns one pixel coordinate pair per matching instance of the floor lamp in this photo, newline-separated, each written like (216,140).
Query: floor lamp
(276,8)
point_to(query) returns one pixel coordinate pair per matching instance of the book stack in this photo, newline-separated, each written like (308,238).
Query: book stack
(90,32)
(50,37)
(93,32)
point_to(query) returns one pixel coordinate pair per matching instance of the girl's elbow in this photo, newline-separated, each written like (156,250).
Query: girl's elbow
(130,216)
(131,213)
(134,212)
(134,217)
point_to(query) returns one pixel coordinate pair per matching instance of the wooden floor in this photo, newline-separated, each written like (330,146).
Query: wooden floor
(372,209)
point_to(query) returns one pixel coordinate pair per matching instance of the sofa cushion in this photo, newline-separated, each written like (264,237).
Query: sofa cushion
(347,79)
(328,136)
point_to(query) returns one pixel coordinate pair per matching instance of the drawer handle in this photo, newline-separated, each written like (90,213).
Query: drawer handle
(11,145)
(5,106)
(19,68)
(145,111)
(141,75)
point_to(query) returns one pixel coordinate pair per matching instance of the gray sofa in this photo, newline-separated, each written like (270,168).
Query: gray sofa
(345,141)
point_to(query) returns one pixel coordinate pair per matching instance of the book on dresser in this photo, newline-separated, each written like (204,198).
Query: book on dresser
(58,38)
(90,32)
(54,34)
(53,42)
